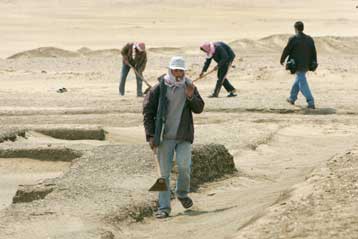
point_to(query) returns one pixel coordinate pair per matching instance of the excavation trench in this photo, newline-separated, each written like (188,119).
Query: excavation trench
(23,171)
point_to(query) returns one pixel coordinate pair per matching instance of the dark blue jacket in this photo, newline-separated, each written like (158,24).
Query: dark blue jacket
(223,55)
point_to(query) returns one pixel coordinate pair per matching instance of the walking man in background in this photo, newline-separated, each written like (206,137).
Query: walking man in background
(169,128)
(134,56)
(302,56)
(224,56)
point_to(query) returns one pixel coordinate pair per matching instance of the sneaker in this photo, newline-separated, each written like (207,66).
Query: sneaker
(186,202)
(290,101)
(161,214)
(62,90)
(312,107)
(231,94)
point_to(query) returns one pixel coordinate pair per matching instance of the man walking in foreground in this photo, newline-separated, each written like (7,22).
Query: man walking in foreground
(302,55)
(224,56)
(134,56)
(169,128)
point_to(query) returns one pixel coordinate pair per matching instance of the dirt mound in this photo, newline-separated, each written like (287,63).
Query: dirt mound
(331,44)
(273,43)
(322,207)
(269,44)
(165,50)
(84,50)
(276,43)
(44,52)
(102,53)
(210,162)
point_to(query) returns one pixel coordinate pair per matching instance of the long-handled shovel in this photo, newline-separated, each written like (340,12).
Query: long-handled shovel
(211,71)
(205,75)
(160,185)
(142,78)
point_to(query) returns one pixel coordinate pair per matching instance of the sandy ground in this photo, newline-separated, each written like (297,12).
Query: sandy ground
(297,168)
(17,171)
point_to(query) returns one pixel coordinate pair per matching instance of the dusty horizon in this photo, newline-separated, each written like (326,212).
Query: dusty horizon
(106,24)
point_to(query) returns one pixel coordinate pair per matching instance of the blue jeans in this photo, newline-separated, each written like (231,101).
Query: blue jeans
(122,84)
(183,158)
(301,84)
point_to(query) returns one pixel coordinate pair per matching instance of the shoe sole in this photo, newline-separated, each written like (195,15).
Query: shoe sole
(290,102)
(186,206)
(162,216)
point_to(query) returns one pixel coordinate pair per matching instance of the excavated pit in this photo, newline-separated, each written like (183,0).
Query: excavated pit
(23,170)
(41,153)
(123,174)
(74,133)
(11,135)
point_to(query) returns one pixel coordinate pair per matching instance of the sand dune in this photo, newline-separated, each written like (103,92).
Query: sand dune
(270,44)
(334,44)
(111,23)
(103,53)
(44,52)
(164,49)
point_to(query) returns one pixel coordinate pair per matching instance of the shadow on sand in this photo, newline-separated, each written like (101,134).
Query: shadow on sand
(196,212)
(296,110)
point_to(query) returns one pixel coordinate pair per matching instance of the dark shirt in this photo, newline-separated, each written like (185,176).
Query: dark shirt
(140,60)
(223,55)
(302,50)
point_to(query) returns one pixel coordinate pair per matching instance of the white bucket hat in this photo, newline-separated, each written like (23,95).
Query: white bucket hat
(177,63)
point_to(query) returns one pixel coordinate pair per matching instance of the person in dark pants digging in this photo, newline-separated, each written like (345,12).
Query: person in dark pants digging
(169,129)
(134,55)
(301,49)
(224,56)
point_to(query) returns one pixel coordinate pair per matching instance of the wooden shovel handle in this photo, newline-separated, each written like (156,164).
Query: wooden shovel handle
(140,75)
(156,160)
(205,75)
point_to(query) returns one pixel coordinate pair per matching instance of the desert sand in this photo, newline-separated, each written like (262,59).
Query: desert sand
(296,168)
